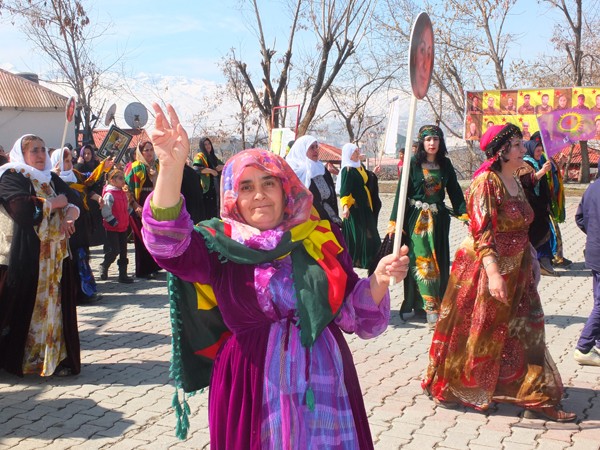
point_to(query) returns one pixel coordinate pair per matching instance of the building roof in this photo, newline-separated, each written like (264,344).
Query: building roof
(594,154)
(138,134)
(22,94)
(329,153)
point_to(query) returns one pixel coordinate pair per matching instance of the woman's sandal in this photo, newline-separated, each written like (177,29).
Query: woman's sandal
(550,413)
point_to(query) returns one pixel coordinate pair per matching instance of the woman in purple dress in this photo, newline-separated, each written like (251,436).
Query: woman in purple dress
(273,289)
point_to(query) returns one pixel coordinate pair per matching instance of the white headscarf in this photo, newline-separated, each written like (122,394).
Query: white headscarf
(347,151)
(305,168)
(17,162)
(57,158)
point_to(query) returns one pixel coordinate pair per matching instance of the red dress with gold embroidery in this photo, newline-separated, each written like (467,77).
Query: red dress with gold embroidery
(484,350)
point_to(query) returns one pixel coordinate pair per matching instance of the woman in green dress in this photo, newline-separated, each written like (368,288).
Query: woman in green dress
(427,224)
(359,224)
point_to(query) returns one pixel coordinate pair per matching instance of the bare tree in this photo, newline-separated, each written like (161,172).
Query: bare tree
(570,40)
(577,45)
(577,58)
(338,27)
(202,125)
(249,125)
(363,79)
(471,45)
(62,30)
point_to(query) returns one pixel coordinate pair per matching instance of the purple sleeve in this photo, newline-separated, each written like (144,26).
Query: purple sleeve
(360,314)
(175,246)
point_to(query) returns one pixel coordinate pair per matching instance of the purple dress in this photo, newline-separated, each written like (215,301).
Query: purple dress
(257,397)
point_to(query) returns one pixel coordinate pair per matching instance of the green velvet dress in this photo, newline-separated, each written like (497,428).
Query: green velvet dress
(360,228)
(426,231)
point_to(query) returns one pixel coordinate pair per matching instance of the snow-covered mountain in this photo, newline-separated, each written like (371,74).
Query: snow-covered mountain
(189,96)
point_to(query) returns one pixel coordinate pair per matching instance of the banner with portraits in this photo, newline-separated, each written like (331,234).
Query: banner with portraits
(523,107)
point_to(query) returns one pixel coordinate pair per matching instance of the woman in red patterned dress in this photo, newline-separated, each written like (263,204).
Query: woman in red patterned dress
(489,343)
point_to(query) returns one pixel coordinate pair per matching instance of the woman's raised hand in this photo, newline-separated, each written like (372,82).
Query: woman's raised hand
(109,163)
(170,140)
(547,166)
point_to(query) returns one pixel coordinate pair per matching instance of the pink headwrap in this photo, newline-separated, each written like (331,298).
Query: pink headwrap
(492,142)
(298,199)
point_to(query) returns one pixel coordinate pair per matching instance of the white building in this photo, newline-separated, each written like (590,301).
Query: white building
(28,108)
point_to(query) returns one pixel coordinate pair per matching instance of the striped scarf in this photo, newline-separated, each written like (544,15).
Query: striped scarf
(319,282)
(135,177)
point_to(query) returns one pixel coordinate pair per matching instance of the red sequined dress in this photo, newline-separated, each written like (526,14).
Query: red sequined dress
(484,350)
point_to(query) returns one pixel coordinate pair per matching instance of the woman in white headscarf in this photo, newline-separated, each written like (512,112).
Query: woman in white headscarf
(38,321)
(304,161)
(62,165)
(359,219)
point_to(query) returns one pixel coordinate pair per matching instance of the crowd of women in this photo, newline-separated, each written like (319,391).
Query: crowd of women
(54,206)
(274,346)
(268,273)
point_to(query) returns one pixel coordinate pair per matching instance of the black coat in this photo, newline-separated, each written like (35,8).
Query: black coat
(588,220)
(18,292)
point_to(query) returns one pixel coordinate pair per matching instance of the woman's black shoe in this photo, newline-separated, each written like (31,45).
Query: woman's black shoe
(420,314)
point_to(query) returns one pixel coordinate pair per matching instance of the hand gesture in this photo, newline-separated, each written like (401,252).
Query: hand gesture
(393,266)
(170,140)
(547,166)
(109,163)
(67,227)
(389,266)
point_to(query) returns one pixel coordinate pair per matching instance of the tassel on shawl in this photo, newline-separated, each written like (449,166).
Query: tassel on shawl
(182,410)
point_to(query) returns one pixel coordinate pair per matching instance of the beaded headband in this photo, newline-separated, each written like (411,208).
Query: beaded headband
(430,130)
(496,136)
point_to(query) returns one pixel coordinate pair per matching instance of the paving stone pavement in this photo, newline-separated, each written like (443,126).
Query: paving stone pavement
(122,398)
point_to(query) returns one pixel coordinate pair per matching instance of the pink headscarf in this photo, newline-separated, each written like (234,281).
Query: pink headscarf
(298,199)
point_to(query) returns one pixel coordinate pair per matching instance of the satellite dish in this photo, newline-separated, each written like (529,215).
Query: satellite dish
(110,115)
(136,115)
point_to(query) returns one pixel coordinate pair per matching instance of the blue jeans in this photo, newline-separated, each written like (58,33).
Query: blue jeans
(590,336)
